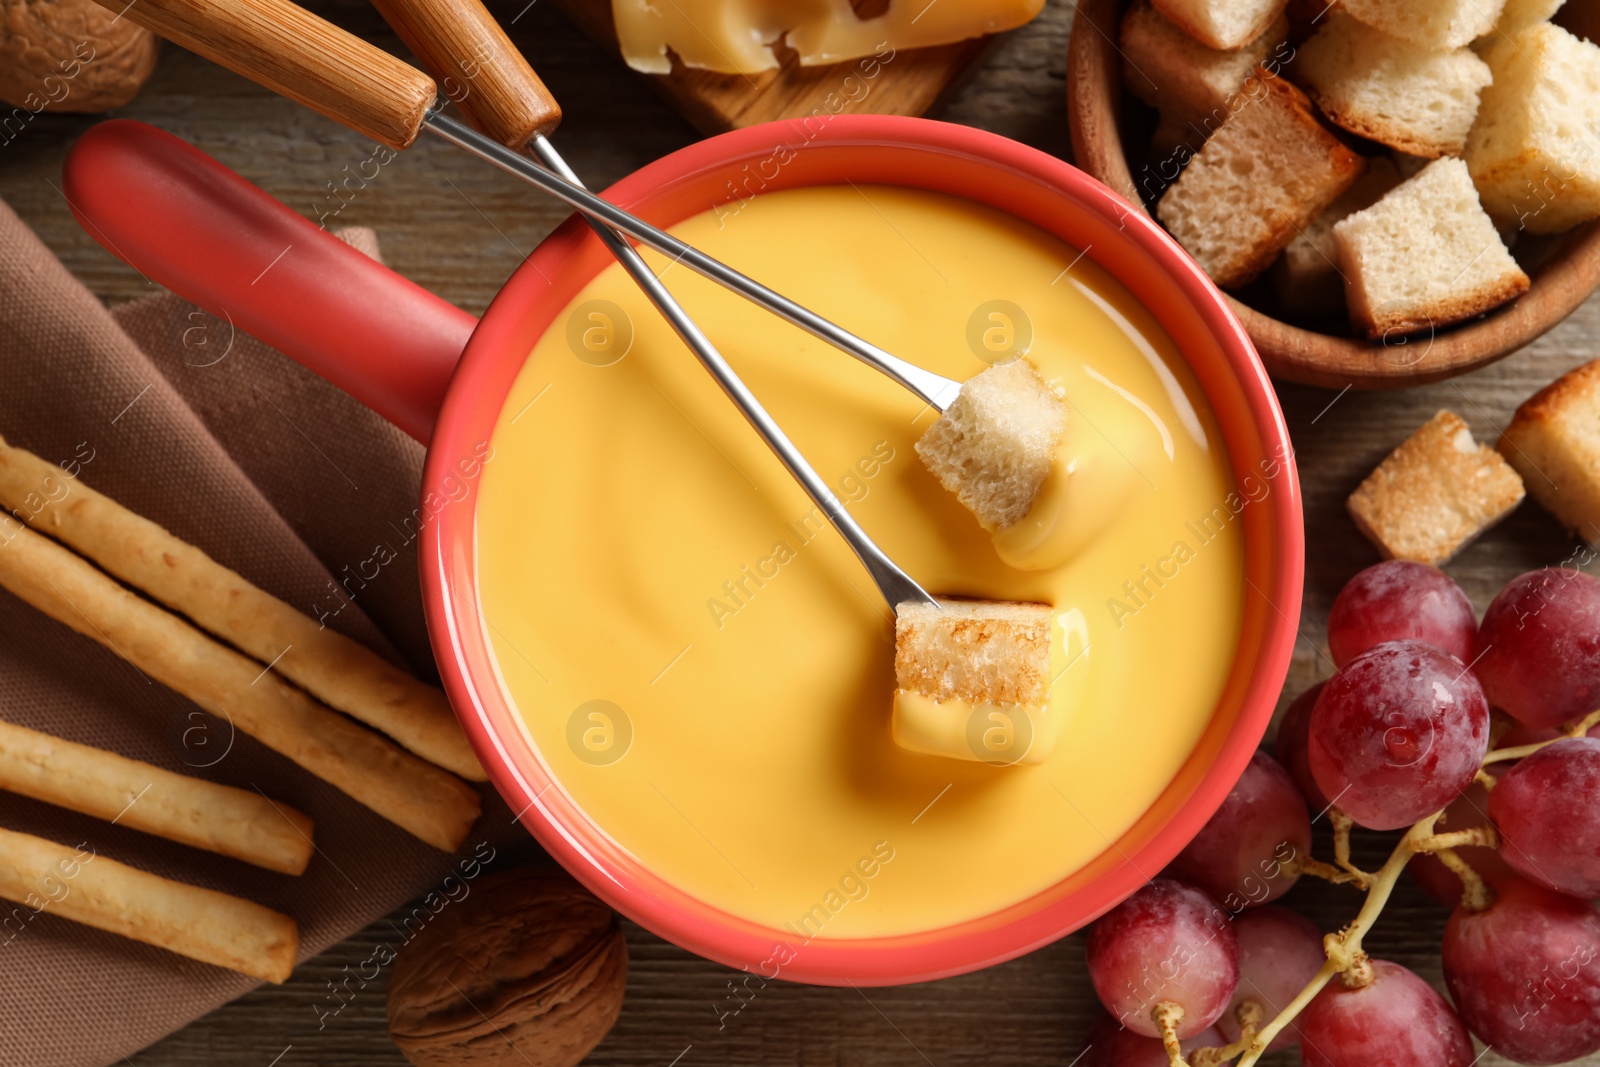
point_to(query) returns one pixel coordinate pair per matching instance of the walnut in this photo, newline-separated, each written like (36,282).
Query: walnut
(71,55)
(527,970)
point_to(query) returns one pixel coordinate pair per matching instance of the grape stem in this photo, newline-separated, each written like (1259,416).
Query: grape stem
(1344,948)
(1342,825)
(1476,895)
(1573,729)
(1248,1014)
(1167,1016)
(1326,871)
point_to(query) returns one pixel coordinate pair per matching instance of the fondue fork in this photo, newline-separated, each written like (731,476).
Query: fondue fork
(287,49)
(450,35)
(557,179)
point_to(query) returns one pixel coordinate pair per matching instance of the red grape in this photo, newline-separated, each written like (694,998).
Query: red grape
(1539,647)
(1525,973)
(1291,747)
(1110,1045)
(1167,942)
(1239,856)
(1398,733)
(1397,601)
(1279,952)
(1468,810)
(1547,809)
(1397,1021)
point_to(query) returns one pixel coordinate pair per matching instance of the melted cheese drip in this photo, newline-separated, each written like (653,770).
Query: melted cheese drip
(1100,462)
(736,36)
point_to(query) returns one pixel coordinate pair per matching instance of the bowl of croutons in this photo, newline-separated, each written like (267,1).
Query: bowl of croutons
(1389,191)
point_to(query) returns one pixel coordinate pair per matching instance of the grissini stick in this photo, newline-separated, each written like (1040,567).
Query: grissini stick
(286,49)
(202,924)
(342,673)
(411,793)
(233,822)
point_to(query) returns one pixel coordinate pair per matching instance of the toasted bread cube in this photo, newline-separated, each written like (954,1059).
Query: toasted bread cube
(994,446)
(1424,256)
(1535,150)
(1554,443)
(1182,78)
(1391,90)
(1224,24)
(1435,24)
(1435,493)
(1259,180)
(1306,277)
(973,681)
(976,651)
(1518,15)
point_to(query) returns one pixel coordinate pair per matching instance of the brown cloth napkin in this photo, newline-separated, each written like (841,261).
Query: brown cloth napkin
(279,476)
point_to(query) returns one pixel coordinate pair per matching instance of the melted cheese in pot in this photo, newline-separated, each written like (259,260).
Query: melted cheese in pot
(703,664)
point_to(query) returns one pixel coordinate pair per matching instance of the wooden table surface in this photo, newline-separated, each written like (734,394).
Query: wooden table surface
(459,228)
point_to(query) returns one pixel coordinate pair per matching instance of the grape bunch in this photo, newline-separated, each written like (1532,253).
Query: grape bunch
(1481,743)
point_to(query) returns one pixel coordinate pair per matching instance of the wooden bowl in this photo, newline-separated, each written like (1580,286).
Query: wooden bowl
(1565,269)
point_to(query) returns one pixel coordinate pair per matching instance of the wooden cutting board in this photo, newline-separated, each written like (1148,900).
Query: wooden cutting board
(908,84)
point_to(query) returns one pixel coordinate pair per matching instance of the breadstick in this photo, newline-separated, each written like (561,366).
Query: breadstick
(342,673)
(201,924)
(410,792)
(234,822)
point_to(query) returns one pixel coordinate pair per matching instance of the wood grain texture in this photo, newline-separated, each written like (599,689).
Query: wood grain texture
(460,228)
(287,49)
(1564,273)
(909,84)
(476,66)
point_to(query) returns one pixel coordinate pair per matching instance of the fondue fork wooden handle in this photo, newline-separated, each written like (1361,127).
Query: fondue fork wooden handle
(294,53)
(477,66)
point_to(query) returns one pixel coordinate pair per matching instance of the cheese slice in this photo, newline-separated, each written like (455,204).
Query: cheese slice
(736,36)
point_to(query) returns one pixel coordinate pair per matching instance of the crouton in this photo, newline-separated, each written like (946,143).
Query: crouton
(1518,15)
(1224,24)
(972,680)
(1182,78)
(1435,24)
(1554,443)
(1435,493)
(1306,277)
(979,651)
(1424,256)
(1535,150)
(1391,90)
(1261,178)
(994,446)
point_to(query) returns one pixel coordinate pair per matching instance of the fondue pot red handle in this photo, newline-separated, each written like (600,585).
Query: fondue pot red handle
(192,225)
